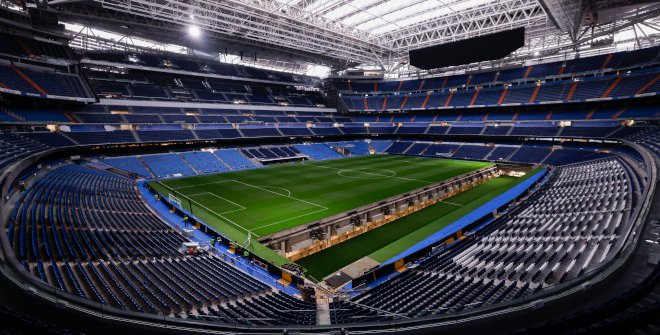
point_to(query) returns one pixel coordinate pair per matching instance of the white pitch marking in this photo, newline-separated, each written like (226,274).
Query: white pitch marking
(261,188)
(212,211)
(224,218)
(287,196)
(358,171)
(196,194)
(225,199)
(451,203)
(279,188)
(214,182)
(339,173)
(291,218)
(420,162)
(322,208)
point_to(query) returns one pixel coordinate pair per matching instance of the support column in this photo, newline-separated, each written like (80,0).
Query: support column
(283,248)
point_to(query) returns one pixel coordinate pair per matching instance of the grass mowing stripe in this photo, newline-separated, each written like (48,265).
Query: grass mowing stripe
(387,252)
(444,217)
(317,190)
(369,175)
(393,238)
(280,197)
(236,206)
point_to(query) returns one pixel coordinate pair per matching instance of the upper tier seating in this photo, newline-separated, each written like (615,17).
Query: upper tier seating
(588,64)
(39,82)
(180,62)
(10,79)
(92,137)
(611,86)
(34,115)
(290,121)
(165,135)
(160,83)
(31,48)
(500,115)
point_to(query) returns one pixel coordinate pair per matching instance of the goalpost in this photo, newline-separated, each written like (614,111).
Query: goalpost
(248,242)
(172,196)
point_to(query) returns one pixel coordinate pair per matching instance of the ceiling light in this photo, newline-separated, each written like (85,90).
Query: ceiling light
(194,31)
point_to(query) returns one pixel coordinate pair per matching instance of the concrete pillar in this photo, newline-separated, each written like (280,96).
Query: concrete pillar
(283,248)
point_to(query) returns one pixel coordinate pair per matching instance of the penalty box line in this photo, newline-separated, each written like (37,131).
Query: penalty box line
(257,187)
(225,199)
(289,219)
(321,207)
(214,212)
(280,194)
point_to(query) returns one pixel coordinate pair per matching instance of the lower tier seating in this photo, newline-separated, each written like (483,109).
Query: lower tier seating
(88,233)
(571,227)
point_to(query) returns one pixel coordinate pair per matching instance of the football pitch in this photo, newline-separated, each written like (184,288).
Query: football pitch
(271,199)
(386,242)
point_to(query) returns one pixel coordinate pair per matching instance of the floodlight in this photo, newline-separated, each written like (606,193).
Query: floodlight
(194,31)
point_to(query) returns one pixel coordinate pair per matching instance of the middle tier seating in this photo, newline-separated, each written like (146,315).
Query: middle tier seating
(613,86)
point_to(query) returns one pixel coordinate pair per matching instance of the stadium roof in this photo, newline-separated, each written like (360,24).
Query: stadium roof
(344,33)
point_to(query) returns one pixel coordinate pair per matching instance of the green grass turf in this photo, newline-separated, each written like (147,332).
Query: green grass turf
(383,243)
(267,200)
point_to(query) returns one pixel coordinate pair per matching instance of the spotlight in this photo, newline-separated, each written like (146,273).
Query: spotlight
(536,53)
(194,31)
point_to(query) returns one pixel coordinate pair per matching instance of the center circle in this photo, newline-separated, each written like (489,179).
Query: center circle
(366,174)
